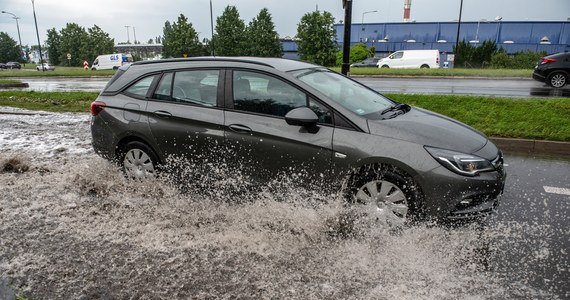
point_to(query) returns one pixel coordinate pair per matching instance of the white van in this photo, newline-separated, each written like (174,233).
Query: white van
(111,61)
(411,59)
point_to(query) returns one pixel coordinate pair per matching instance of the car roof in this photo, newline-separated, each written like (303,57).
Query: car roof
(141,68)
(281,64)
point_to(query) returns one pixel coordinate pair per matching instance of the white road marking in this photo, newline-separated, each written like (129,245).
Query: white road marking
(557,190)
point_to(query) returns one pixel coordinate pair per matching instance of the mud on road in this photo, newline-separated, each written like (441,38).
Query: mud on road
(72,227)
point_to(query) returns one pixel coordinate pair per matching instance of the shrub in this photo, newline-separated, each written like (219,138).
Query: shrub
(520,60)
(358,53)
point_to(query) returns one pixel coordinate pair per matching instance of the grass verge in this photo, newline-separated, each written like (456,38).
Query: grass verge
(531,118)
(48,101)
(30,71)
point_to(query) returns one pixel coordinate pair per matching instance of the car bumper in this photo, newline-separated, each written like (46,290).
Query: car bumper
(452,196)
(538,77)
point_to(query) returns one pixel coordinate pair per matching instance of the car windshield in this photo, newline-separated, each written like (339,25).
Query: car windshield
(346,92)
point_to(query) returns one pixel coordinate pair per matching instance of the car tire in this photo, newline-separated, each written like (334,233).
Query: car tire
(385,67)
(424,66)
(557,79)
(384,194)
(138,161)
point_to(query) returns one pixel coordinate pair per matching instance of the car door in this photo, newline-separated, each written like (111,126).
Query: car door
(397,60)
(185,118)
(261,141)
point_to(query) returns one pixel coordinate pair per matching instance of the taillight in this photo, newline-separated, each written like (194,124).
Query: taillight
(97,107)
(437,60)
(547,60)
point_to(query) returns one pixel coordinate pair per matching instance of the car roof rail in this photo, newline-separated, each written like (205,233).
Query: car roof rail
(204,58)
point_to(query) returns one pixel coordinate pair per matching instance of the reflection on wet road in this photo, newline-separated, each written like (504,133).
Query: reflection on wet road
(465,86)
(414,85)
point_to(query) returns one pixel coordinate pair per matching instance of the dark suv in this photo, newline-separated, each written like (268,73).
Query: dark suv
(13,65)
(270,116)
(553,69)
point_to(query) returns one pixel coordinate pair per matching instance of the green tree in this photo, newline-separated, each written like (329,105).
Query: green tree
(72,40)
(229,39)
(317,38)
(98,42)
(53,46)
(261,37)
(9,49)
(180,39)
(470,56)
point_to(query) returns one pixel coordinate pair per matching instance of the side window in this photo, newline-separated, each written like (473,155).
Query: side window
(264,94)
(196,87)
(163,89)
(140,88)
(398,54)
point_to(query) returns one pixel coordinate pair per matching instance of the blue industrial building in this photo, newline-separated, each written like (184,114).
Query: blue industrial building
(517,36)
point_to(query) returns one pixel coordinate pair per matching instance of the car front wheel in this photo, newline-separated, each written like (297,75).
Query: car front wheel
(138,161)
(558,79)
(384,194)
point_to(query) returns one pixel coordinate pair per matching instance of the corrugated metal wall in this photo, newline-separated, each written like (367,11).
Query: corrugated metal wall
(512,36)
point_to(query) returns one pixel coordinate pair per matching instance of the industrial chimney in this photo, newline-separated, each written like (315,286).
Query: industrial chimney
(407,5)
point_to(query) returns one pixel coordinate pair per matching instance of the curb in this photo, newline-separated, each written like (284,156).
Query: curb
(526,146)
(13,85)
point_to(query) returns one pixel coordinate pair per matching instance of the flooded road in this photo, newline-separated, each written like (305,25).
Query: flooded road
(73,228)
(446,86)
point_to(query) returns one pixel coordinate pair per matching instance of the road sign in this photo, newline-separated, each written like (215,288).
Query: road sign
(68,55)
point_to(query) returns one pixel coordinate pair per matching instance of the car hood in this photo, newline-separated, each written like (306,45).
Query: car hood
(431,129)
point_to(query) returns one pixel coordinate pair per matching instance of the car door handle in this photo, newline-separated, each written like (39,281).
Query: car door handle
(239,128)
(162,114)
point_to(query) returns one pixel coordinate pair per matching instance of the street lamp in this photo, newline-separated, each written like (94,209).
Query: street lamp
(362,23)
(38,35)
(18,27)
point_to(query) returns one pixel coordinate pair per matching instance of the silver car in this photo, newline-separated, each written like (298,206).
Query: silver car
(272,116)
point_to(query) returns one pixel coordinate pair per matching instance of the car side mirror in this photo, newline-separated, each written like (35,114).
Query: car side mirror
(302,116)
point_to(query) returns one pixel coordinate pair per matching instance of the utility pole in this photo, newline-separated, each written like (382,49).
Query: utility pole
(347,5)
(128,35)
(212,27)
(456,52)
(38,34)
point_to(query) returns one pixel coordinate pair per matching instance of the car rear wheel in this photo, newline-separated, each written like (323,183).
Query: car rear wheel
(138,161)
(384,194)
(424,67)
(558,79)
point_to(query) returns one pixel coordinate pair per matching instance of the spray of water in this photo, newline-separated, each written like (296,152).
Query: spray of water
(73,227)
(80,229)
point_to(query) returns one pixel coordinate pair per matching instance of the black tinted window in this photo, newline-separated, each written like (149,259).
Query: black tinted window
(194,87)
(264,94)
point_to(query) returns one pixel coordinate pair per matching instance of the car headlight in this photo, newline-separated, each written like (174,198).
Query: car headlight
(461,163)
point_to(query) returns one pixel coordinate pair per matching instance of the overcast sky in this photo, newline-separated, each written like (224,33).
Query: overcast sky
(146,17)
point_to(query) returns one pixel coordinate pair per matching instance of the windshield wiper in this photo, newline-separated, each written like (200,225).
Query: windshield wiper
(398,106)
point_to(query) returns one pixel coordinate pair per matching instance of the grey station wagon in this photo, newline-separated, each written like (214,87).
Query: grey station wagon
(274,116)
